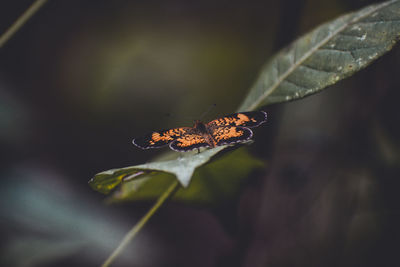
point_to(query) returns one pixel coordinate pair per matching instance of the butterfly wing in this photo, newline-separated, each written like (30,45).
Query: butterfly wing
(230,135)
(160,138)
(188,142)
(244,119)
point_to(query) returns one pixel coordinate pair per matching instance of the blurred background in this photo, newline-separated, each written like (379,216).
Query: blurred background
(83,78)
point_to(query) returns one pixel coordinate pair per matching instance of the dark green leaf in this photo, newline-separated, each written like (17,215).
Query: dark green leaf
(327,54)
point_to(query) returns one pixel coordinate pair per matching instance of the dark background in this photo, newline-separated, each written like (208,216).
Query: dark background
(82,78)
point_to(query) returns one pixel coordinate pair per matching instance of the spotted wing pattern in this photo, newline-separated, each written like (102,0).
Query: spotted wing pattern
(188,142)
(160,138)
(230,134)
(229,129)
(244,119)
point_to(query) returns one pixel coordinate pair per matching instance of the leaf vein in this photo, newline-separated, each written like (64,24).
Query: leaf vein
(349,35)
(379,21)
(349,51)
(295,84)
(315,69)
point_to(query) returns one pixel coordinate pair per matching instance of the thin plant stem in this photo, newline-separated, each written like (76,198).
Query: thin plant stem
(21,21)
(132,233)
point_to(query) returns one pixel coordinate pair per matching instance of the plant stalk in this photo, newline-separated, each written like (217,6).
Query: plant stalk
(132,233)
(21,21)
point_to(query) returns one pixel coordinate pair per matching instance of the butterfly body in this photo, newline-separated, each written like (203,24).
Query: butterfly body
(201,129)
(233,128)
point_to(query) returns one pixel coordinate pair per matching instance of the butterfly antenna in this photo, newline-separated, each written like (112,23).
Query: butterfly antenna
(207,111)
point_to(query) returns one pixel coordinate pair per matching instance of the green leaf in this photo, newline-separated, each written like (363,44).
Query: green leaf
(215,182)
(182,167)
(326,55)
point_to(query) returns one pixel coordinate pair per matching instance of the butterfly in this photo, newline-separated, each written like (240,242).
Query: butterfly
(230,129)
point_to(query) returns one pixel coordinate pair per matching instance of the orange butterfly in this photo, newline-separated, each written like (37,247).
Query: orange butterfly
(229,129)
